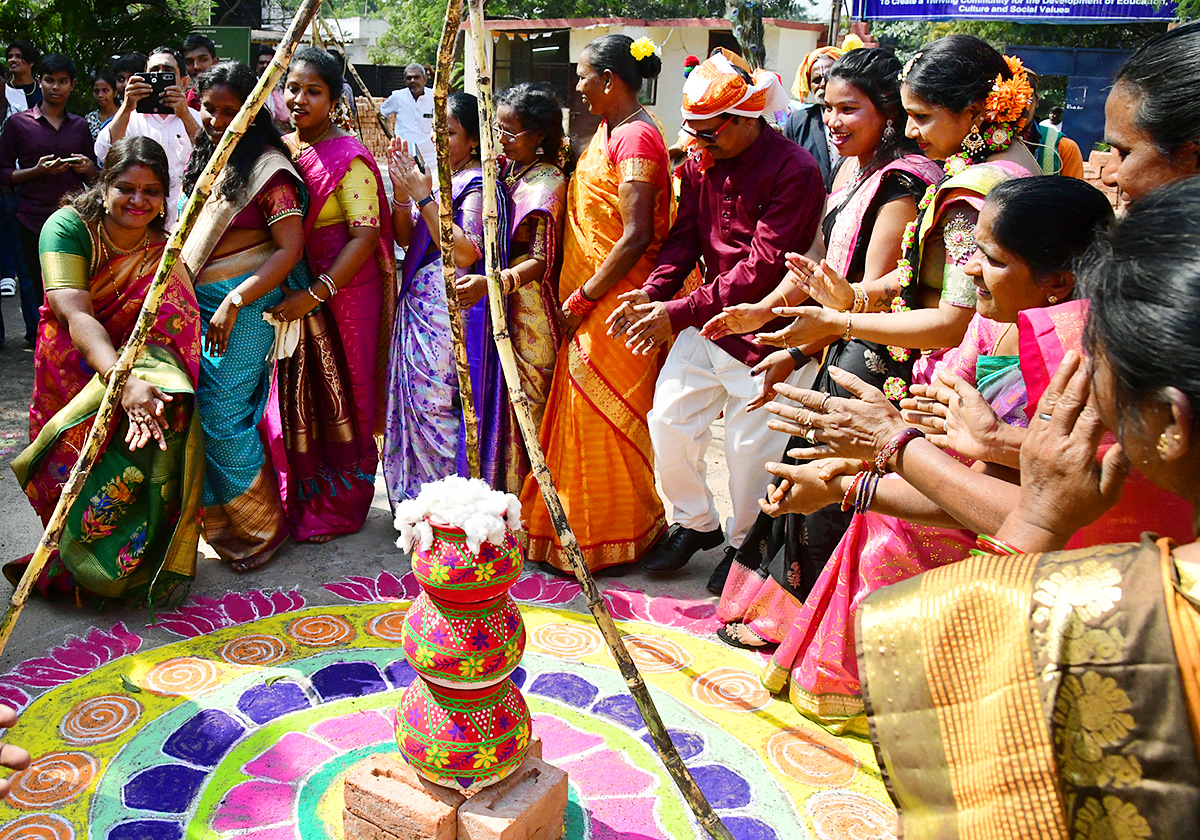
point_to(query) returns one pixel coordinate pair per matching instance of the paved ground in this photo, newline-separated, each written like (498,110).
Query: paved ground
(43,625)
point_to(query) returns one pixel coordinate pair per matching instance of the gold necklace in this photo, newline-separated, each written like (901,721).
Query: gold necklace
(627,119)
(111,247)
(302,146)
(513,179)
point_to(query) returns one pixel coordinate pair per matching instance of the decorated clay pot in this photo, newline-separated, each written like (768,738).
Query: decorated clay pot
(451,572)
(465,739)
(464,645)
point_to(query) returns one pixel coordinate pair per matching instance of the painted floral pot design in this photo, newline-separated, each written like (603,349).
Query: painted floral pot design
(463,738)
(464,645)
(451,572)
(462,722)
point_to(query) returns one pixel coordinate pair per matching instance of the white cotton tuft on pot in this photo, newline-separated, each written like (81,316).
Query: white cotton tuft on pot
(467,503)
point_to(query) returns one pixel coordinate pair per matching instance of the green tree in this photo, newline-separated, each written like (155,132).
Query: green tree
(415,26)
(91,32)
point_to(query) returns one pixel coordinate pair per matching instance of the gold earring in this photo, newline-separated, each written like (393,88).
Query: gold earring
(1162,445)
(106,207)
(1053,299)
(973,142)
(163,212)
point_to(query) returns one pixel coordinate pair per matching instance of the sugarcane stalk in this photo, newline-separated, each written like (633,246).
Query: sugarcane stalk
(441,135)
(374,107)
(146,318)
(523,408)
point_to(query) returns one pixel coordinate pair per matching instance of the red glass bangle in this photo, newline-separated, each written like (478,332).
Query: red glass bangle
(579,305)
(991,545)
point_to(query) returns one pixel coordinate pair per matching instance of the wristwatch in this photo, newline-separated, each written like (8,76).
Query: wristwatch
(236,299)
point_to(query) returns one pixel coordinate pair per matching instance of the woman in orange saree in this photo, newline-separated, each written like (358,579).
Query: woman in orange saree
(594,430)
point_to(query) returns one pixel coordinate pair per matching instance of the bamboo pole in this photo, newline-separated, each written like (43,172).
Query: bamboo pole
(137,340)
(441,132)
(387,132)
(529,431)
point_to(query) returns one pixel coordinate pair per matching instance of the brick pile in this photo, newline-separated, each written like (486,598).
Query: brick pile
(386,799)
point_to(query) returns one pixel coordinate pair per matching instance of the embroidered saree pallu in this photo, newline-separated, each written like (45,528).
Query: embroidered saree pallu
(1049,696)
(132,533)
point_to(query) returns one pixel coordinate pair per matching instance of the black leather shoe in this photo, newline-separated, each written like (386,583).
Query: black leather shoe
(716,582)
(671,553)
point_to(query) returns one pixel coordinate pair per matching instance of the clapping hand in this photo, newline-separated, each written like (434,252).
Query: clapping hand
(408,181)
(954,415)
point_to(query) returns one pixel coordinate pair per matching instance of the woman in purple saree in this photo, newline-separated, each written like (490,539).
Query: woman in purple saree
(424,438)
(330,389)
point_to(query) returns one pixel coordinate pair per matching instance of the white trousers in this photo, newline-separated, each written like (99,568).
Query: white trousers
(697,383)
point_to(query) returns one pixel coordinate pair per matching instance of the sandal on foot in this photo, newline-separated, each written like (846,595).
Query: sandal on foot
(739,635)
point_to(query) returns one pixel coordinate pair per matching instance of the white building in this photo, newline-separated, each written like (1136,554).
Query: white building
(547,50)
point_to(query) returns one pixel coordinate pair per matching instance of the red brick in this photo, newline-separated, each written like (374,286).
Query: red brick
(384,791)
(356,828)
(528,805)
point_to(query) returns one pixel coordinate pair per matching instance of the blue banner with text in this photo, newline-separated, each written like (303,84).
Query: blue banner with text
(1040,11)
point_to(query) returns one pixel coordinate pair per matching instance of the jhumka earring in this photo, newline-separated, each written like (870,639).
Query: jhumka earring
(1162,445)
(889,132)
(973,142)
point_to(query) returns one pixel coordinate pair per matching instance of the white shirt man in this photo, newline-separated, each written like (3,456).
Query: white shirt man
(413,107)
(174,132)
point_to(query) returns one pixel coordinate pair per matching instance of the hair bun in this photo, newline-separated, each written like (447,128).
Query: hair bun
(650,66)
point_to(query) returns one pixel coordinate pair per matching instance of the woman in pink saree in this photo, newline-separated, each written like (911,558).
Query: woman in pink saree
(330,389)
(913,521)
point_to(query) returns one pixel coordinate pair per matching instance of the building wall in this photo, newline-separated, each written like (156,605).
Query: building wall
(785,50)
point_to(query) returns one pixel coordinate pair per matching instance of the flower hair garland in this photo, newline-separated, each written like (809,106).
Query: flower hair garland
(643,48)
(1005,106)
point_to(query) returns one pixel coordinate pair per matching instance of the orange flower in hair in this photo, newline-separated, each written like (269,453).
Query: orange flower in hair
(1009,97)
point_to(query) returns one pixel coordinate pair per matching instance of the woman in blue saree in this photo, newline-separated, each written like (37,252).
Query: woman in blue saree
(248,238)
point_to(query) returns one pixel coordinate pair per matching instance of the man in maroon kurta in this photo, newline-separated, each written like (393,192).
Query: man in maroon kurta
(749,195)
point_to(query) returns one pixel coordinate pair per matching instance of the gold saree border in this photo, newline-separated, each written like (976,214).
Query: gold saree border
(900,709)
(969,629)
(1185,635)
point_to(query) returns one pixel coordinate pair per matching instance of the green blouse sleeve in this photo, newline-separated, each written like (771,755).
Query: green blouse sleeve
(66,251)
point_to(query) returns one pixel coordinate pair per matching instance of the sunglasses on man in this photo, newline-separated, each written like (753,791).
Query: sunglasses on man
(707,136)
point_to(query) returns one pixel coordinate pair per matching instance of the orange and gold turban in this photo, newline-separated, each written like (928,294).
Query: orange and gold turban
(716,87)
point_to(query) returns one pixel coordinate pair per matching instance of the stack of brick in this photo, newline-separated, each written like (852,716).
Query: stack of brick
(386,799)
(372,135)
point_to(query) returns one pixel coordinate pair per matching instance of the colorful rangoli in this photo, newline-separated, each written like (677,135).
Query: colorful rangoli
(245,726)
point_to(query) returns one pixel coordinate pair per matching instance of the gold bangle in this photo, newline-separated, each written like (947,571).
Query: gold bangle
(846,334)
(860,298)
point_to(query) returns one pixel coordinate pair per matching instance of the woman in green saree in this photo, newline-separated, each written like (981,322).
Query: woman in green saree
(132,533)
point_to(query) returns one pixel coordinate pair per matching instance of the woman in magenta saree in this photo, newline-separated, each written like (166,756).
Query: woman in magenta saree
(330,390)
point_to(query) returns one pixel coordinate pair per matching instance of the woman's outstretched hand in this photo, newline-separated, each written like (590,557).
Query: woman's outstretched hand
(954,415)
(820,281)
(835,426)
(737,319)
(811,324)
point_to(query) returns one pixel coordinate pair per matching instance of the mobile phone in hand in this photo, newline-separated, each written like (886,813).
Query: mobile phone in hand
(159,81)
